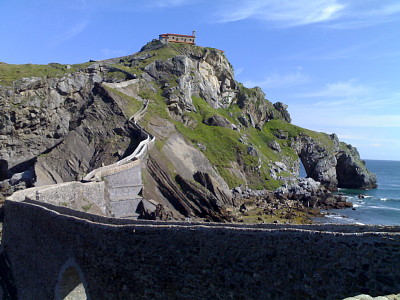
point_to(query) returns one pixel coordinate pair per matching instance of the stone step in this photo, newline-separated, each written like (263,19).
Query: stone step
(124,192)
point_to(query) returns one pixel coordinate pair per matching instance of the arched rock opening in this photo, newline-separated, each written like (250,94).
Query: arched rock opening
(71,284)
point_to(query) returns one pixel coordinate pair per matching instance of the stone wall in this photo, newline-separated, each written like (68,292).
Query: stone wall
(150,260)
(79,196)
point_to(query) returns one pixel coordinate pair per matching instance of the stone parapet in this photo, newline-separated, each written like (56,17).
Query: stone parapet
(126,259)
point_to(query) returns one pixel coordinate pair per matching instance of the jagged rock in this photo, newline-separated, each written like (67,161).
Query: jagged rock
(337,166)
(151,210)
(237,190)
(282,135)
(312,194)
(258,109)
(212,185)
(27,176)
(185,197)
(351,173)
(210,70)
(218,121)
(252,151)
(274,145)
(281,166)
(244,121)
(282,108)
(202,201)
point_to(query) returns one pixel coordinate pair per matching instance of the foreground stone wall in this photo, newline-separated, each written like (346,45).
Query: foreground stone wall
(150,260)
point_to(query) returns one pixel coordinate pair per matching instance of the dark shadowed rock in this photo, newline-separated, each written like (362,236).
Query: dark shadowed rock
(282,108)
(338,165)
(243,120)
(212,185)
(352,172)
(252,151)
(3,169)
(218,121)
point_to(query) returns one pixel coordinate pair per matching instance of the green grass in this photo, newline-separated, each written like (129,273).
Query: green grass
(10,72)
(87,207)
(131,106)
(295,131)
(223,147)
(304,216)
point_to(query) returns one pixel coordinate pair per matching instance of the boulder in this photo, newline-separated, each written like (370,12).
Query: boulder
(243,120)
(252,151)
(218,121)
(274,145)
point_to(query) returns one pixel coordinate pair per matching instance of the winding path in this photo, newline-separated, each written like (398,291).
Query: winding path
(113,190)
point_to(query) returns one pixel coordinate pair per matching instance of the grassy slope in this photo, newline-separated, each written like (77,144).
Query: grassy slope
(10,73)
(222,144)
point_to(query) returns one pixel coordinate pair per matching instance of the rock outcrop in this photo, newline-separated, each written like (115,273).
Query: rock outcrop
(312,194)
(333,163)
(212,133)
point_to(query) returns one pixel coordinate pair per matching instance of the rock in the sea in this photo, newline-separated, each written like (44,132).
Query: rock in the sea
(338,165)
(352,172)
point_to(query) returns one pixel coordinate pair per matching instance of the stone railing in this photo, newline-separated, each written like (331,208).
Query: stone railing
(140,151)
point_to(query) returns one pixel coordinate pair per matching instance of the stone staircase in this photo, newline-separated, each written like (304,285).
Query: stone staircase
(123,178)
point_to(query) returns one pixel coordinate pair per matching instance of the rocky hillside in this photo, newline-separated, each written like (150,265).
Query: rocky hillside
(214,137)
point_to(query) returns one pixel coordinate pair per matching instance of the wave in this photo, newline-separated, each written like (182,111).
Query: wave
(342,219)
(384,207)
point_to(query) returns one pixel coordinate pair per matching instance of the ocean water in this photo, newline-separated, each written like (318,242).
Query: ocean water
(379,206)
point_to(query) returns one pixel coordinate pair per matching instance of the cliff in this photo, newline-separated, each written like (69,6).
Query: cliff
(212,134)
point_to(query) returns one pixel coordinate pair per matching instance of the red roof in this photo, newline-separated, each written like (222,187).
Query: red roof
(167,34)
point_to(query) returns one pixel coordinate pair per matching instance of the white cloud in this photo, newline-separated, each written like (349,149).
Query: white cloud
(339,14)
(238,71)
(341,89)
(285,13)
(70,33)
(347,104)
(279,81)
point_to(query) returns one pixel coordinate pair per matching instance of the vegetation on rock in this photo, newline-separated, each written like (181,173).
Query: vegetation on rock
(240,138)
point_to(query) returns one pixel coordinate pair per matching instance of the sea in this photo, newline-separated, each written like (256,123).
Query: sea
(379,206)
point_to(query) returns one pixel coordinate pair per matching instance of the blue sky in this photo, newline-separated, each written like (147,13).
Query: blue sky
(334,62)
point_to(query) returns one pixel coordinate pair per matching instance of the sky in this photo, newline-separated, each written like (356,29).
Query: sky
(335,63)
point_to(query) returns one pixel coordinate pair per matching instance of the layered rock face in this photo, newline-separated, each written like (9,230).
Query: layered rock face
(56,130)
(338,165)
(212,133)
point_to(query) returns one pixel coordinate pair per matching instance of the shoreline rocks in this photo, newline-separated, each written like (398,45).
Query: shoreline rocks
(294,203)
